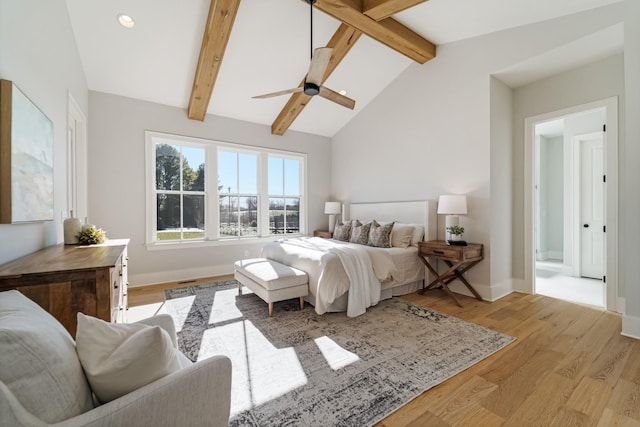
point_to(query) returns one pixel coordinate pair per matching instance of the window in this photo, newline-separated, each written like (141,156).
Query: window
(284,195)
(180,196)
(258,192)
(238,175)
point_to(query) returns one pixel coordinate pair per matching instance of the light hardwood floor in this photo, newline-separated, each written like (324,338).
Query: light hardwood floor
(569,366)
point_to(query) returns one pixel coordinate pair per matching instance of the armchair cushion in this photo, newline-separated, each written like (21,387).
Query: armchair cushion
(38,361)
(42,382)
(120,358)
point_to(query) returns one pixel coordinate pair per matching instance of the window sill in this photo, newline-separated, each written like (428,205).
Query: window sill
(162,246)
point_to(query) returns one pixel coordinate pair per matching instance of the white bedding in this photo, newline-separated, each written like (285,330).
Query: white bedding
(328,279)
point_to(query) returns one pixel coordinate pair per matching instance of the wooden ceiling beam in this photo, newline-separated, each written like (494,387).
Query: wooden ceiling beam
(341,42)
(387,31)
(222,14)
(381,9)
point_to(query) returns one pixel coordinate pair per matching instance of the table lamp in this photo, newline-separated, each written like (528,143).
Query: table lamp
(332,209)
(452,206)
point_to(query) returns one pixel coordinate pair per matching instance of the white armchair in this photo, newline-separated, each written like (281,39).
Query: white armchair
(42,382)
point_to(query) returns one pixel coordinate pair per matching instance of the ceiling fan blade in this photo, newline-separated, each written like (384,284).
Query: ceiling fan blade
(281,92)
(327,93)
(319,63)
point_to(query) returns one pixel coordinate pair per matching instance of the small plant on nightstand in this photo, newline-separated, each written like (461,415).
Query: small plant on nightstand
(456,232)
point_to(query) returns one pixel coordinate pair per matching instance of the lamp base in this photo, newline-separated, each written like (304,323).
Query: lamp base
(332,222)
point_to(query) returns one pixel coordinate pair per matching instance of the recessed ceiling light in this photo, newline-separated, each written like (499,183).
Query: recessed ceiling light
(126,21)
(343,92)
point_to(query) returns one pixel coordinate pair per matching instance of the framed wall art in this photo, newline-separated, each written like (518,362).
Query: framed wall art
(26,159)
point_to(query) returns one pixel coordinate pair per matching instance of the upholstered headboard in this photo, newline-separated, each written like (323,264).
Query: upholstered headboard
(415,212)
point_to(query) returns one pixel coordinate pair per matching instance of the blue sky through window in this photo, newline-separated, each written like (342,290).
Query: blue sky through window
(284,183)
(237,172)
(283,174)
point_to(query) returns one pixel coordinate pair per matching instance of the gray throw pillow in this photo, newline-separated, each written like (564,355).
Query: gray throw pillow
(380,235)
(342,232)
(359,232)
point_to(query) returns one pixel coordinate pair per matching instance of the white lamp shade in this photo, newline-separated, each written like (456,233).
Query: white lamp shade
(452,205)
(332,208)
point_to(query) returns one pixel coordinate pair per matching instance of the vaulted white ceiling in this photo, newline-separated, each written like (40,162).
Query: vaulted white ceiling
(269,50)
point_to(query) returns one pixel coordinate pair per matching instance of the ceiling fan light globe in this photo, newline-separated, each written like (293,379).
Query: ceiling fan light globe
(311,89)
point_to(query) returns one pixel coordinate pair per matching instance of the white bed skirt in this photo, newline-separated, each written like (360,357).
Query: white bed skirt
(340,304)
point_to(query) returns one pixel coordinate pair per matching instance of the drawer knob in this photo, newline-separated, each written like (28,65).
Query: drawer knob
(435,251)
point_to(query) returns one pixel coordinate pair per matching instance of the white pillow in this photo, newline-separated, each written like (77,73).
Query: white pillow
(401,235)
(418,232)
(120,358)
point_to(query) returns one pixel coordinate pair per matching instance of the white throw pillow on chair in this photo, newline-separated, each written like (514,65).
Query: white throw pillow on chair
(120,358)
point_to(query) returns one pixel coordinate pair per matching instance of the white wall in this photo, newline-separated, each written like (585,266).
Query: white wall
(428,133)
(551,198)
(501,187)
(630,177)
(38,53)
(117,180)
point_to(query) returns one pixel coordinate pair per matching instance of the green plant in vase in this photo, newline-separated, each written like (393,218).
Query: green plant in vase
(456,232)
(91,236)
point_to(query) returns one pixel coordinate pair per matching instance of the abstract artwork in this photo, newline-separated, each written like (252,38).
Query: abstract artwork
(26,159)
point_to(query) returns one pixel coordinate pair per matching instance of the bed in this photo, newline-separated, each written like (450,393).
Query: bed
(396,270)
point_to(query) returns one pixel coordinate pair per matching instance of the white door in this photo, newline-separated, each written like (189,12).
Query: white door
(592,206)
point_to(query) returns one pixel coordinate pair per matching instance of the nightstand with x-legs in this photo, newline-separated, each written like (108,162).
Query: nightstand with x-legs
(460,259)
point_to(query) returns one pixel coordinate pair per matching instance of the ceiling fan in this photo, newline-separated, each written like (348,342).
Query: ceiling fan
(312,84)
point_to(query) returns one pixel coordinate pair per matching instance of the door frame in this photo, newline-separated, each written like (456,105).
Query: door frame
(611,209)
(77,170)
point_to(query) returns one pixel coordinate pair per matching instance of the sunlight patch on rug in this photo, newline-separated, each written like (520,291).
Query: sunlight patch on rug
(300,368)
(336,356)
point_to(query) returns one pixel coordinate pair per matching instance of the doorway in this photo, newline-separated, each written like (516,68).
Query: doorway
(572,245)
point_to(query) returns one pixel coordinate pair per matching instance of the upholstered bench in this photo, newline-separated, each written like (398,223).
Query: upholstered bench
(271,280)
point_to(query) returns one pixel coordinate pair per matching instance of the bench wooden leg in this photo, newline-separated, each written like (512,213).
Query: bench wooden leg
(239,288)
(301,303)
(270,309)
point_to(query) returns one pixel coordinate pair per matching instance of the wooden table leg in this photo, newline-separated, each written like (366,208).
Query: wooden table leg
(434,272)
(459,275)
(439,280)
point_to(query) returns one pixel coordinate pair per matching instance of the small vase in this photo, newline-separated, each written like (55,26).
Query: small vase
(456,237)
(71,227)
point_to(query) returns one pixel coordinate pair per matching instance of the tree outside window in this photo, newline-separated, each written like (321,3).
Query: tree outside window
(180,196)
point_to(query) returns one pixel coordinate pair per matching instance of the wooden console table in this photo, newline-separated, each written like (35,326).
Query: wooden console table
(323,233)
(455,257)
(67,279)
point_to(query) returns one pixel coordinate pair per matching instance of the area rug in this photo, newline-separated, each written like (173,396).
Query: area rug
(298,368)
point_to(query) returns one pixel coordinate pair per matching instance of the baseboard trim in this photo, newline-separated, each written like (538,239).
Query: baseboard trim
(488,293)
(631,326)
(519,285)
(157,277)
